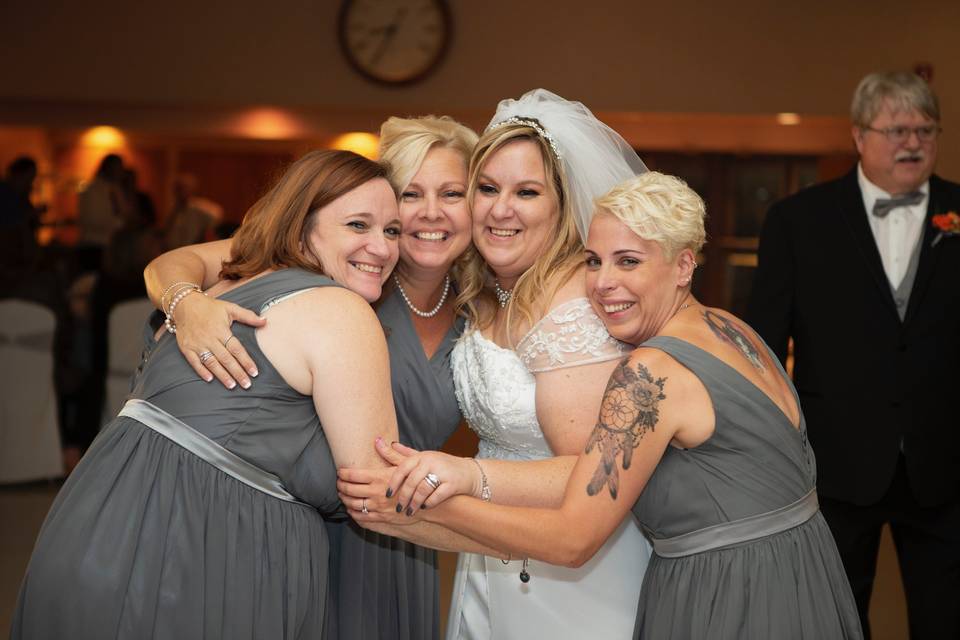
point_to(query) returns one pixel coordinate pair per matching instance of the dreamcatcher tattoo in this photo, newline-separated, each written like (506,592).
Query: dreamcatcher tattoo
(630,408)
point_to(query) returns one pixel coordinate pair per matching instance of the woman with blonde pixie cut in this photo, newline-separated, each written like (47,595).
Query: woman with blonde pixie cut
(381,588)
(529,373)
(700,435)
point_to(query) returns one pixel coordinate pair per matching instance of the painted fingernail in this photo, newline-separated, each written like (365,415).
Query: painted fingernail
(409,512)
(245,384)
(423,506)
(378,441)
(389,492)
(399,508)
(231,384)
(210,379)
(254,372)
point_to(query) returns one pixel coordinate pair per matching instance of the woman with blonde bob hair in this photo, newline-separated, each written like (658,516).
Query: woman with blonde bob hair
(700,435)
(529,373)
(198,511)
(381,587)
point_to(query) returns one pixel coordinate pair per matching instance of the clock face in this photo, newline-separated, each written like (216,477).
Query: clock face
(394,41)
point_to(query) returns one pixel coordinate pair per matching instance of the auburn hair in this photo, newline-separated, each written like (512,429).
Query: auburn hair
(274,230)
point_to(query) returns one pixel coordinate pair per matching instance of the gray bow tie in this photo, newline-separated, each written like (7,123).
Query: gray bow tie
(883,206)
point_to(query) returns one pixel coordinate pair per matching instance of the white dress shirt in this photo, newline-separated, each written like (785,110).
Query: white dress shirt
(897,234)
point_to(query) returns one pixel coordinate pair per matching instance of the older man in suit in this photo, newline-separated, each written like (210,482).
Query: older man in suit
(864,274)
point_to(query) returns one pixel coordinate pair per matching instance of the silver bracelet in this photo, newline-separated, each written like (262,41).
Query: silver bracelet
(485,493)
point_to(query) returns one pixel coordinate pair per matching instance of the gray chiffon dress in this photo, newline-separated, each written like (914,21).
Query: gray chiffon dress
(386,588)
(196,513)
(741,550)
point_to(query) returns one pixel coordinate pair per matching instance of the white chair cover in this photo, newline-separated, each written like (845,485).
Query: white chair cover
(29,437)
(126,347)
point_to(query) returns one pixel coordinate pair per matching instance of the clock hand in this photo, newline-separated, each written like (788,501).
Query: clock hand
(389,32)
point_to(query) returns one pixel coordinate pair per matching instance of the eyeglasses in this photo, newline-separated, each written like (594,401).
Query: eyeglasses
(899,135)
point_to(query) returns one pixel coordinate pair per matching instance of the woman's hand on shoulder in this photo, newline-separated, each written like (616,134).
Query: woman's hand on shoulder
(204,325)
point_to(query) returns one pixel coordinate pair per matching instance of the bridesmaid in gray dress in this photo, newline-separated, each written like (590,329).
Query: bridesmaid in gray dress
(700,434)
(381,587)
(198,512)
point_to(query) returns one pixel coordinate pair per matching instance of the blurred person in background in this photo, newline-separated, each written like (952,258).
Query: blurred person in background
(193,218)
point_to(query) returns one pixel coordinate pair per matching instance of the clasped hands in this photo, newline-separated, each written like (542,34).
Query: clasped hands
(415,480)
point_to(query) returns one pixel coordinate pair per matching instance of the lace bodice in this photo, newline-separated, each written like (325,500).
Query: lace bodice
(496,387)
(569,335)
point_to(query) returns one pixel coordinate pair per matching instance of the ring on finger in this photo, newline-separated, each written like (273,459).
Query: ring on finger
(363,506)
(205,356)
(228,339)
(432,480)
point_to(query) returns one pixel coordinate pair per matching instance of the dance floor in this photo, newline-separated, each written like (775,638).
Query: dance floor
(22,509)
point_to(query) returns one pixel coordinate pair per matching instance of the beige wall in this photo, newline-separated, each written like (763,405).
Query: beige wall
(683,56)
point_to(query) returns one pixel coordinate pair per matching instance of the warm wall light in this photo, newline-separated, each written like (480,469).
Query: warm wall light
(103,138)
(788,118)
(360,142)
(267,123)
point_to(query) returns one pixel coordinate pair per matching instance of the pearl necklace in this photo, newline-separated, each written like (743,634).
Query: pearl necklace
(436,309)
(503,295)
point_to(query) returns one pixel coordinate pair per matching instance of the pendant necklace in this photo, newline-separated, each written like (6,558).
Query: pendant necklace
(503,295)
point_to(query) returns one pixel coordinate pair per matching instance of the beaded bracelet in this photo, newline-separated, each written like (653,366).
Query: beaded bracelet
(168,290)
(183,293)
(176,292)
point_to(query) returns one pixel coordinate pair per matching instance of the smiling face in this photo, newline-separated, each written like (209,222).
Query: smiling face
(356,238)
(434,213)
(515,210)
(896,168)
(632,286)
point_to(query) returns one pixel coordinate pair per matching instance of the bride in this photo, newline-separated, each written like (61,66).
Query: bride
(530,373)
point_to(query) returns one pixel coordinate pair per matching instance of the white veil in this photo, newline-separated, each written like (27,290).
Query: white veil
(594,156)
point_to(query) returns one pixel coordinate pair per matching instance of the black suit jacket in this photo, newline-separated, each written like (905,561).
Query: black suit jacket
(867,381)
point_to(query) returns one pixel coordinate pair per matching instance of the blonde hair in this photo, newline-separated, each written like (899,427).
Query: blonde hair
(904,90)
(405,142)
(552,268)
(659,208)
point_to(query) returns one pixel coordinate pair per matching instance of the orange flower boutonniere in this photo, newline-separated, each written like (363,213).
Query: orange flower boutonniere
(948,224)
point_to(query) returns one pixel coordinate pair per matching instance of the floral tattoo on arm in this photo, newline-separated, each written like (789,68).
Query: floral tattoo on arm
(630,408)
(734,335)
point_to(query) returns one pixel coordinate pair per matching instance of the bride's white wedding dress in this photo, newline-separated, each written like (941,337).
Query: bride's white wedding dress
(496,389)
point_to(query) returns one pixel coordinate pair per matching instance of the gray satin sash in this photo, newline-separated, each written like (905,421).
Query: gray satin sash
(203,447)
(743,530)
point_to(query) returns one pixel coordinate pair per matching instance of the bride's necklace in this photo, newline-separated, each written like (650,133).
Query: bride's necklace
(436,309)
(503,295)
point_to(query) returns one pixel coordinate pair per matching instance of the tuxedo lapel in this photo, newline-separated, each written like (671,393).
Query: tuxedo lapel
(854,217)
(928,253)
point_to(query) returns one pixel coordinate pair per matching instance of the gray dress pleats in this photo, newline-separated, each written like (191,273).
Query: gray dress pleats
(386,588)
(148,540)
(786,585)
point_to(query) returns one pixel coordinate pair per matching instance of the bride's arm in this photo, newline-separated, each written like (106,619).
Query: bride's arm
(614,467)
(203,324)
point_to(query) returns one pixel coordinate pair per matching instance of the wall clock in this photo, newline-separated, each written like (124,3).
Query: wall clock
(394,41)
